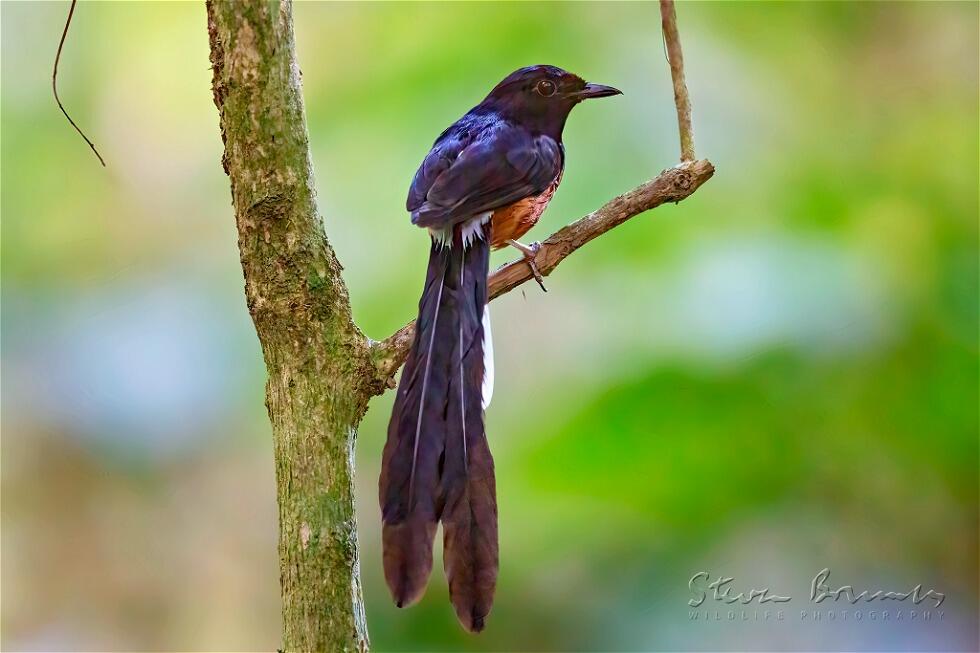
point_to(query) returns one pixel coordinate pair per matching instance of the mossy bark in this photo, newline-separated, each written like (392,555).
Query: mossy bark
(317,359)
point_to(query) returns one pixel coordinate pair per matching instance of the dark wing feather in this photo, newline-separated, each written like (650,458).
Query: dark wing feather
(502,165)
(444,151)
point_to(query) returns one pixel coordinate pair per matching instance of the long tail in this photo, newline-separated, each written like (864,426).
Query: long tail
(437,463)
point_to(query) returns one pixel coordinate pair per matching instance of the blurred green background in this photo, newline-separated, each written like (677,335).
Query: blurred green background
(776,376)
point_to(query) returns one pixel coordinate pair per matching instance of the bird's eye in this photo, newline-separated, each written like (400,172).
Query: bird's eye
(546,88)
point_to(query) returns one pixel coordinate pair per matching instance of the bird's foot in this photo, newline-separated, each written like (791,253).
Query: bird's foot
(530,252)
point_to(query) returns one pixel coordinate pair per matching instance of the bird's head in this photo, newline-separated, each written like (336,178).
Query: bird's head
(541,97)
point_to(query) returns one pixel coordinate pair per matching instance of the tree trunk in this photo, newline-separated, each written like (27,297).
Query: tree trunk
(314,354)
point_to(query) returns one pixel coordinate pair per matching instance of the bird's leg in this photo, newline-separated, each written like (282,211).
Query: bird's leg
(529,252)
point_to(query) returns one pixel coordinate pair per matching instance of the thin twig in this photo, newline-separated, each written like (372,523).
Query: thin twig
(676,59)
(54,84)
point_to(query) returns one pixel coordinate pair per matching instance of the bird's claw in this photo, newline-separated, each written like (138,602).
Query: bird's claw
(530,252)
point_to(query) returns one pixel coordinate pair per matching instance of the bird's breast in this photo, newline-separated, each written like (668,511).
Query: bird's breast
(513,221)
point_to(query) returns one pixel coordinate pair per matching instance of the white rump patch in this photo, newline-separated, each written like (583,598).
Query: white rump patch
(472,228)
(487,359)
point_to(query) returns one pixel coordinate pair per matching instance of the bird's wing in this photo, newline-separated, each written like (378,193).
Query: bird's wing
(494,169)
(444,151)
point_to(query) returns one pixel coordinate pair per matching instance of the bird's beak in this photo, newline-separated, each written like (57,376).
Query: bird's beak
(597,90)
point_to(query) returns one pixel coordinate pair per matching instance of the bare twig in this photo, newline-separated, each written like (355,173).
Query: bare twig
(54,83)
(671,185)
(676,58)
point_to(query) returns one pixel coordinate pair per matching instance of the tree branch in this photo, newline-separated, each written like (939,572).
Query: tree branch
(676,59)
(671,185)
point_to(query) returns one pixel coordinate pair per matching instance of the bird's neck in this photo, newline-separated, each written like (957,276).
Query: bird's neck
(548,124)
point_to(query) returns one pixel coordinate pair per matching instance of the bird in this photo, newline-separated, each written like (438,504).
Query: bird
(484,183)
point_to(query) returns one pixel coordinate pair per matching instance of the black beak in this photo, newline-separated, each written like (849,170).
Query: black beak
(597,90)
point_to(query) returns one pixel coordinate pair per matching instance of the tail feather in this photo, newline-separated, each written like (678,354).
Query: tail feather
(409,484)
(437,462)
(469,516)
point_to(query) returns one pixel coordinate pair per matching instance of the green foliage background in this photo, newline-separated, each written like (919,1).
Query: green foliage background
(778,375)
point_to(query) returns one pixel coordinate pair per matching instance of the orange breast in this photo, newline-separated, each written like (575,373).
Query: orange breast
(513,221)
